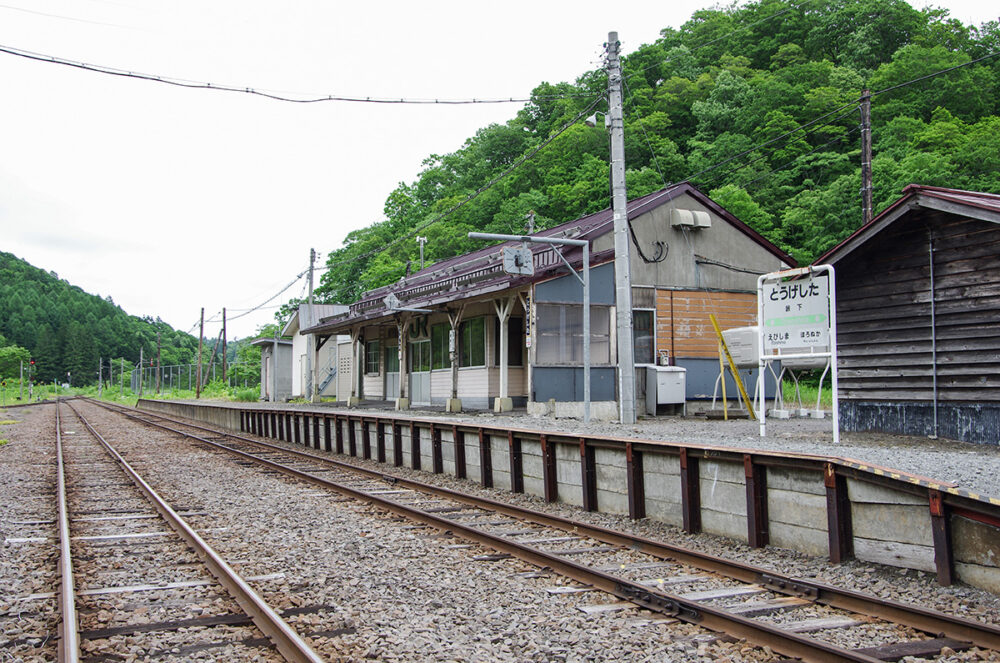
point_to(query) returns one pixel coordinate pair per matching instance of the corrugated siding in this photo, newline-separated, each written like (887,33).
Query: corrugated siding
(473,382)
(683,325)
(373,386)
(884,312)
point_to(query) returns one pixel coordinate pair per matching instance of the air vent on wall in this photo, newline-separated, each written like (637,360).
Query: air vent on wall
(690,219)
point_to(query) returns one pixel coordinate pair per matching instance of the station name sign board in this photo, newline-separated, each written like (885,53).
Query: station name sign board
(796,314)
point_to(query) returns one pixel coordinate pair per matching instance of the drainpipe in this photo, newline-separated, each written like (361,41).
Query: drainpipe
(934,367)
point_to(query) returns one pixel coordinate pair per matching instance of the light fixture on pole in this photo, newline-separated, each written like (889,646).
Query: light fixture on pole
(591,121)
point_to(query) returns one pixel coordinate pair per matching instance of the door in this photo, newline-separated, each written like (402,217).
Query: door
(391,371)
(420,372)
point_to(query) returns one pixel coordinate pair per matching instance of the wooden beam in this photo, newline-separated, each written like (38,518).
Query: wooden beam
(485,459)
(327,437)
(397,444)
(516,463)
(414,445)
(380,441)
(634,481)
(756,482)
(340,433)
(838,515)
(437,461)
(458,439)
(943,553)
(352,441)
(551,487)
(690,492)
(366,440)
(588,475)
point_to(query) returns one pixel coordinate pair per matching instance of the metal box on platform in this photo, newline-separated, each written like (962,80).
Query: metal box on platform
(665,386)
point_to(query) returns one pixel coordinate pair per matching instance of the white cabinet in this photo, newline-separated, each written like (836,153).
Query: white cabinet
(665,385)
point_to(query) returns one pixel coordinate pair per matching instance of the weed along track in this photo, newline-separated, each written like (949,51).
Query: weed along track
(600,571)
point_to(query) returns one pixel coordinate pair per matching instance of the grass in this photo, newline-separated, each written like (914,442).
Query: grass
(808,393)
(7,422)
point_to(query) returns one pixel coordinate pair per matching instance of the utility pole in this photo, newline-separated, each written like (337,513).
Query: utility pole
(20,383)
(201,335)
(619,202)
(311,359)
(159,375)
(121,392)
(141,360)
(100,377)
(866,156)
(224,344)
(421,241)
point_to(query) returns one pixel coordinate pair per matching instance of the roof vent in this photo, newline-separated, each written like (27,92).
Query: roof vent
(686,218)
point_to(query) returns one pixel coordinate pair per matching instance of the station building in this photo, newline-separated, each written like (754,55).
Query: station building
(482,338)
(918,317)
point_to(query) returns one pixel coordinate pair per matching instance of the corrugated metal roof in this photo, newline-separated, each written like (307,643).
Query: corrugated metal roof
(481,272)
(972,201)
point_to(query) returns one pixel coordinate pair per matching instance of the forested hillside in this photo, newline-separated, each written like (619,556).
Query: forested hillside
(733,81)
(66,330)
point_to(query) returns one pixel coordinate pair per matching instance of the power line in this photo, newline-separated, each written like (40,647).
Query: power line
(180,82)
(936,73)
(475,194)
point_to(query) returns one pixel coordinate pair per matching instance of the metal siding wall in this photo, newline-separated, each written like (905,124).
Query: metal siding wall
(568,289)
(968,422)
(702,373)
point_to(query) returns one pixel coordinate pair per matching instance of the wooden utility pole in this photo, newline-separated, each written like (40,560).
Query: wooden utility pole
(159,375)
(201,335)
(141,360)
(866,156)
(121,392)
(224,344)
(100,377)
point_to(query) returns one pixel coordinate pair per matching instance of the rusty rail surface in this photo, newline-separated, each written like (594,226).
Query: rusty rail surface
(983,635)
(69,638)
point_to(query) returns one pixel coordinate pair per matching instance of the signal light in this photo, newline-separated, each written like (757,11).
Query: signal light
(31,362)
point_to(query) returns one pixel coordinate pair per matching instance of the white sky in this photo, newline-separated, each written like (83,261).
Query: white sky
(170,199)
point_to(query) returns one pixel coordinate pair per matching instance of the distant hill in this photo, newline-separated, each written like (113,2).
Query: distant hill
(68,330)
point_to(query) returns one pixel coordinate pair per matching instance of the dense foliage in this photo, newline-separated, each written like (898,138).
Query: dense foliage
(726,81)
(66,330)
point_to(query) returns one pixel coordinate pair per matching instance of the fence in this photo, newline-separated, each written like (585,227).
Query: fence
(185,376)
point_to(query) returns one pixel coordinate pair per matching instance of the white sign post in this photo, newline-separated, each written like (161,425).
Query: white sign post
(798,320)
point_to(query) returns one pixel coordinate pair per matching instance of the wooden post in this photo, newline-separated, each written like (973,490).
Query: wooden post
(516,463)
(588,475)
(458,439)
(339,433)
(397,445)
(634,480)
(366,440)
(414,446)
(380,441)
(327,441)
(551,487)
(485,459)
(437,460)
(866,156)
(352,442)
(943,553)
(838,515)
(690,493)
(756,483)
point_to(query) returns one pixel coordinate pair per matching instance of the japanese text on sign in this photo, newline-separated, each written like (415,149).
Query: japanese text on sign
(796,314)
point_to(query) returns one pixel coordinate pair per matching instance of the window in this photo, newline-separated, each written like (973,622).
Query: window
(371,357)
(472,342)
(643,337)
(440,355)
(515,341)
(392,359)
(560,334)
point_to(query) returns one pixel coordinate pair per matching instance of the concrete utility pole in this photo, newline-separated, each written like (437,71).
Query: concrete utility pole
(100,377)
(619,202)
(224,344)
(141,360)
(159,374)
(311,359)
(121,392)
(866,156)
(201,335)
(20,395)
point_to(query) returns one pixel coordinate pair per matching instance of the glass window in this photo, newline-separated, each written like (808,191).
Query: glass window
(515,341)
(371,357)
(472,342)
(560,334)
(420,357)
(440,355)
(392,359)
(643,337)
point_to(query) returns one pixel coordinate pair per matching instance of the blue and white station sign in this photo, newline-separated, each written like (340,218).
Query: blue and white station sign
(796,314)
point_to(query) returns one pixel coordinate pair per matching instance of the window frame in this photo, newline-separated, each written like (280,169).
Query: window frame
(445,352)
(544,337)
(372,351)
(652,335)
(515,341)
(464,339)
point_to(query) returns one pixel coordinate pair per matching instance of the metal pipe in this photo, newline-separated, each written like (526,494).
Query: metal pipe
(930,251)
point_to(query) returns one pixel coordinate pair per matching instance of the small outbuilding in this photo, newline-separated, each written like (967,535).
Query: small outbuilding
(275,368)
(326,357)
(918,317)
(465,331)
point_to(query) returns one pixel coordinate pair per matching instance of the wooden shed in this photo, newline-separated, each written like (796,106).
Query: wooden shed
(918,317)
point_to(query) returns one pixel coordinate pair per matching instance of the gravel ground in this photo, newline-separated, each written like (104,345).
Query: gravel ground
(975,467)
(402,594)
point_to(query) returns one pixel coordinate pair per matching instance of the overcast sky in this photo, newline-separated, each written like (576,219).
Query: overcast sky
(169,199)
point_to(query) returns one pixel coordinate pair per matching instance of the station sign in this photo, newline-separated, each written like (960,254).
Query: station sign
(796,314)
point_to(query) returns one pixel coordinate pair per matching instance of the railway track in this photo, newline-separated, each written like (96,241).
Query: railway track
(801,619)
(118,538)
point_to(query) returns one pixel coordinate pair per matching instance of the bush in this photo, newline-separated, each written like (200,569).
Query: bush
(247,395)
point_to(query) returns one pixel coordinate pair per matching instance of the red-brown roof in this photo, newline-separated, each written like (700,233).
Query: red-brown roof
(972,203)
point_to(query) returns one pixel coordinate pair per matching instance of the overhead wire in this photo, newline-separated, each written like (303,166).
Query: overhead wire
(180,82)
